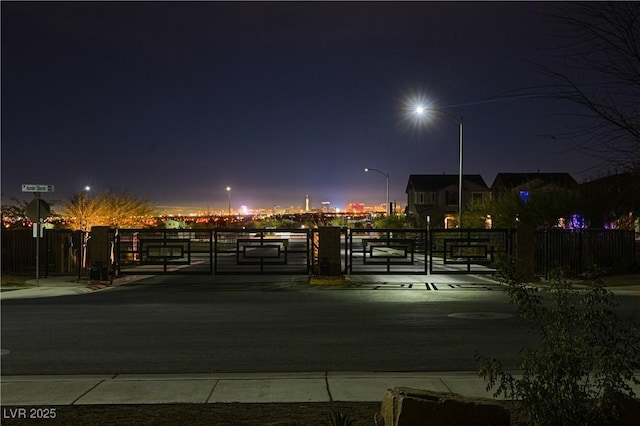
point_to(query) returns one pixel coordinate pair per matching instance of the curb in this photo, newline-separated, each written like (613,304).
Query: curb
(115,282)
(329,281)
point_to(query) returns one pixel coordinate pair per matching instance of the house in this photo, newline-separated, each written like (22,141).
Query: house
(436,196)
(553,208)
(524,182)
(613,201)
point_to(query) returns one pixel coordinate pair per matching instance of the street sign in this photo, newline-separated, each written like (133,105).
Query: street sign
(30,187)
(38,230)
(37,209)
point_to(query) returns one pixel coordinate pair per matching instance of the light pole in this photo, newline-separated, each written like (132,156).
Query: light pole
(229,192)
(421,111)
(388,208)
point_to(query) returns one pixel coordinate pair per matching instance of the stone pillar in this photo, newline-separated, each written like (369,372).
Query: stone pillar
(525,251)
(98,253)
(415,407)
(329,263)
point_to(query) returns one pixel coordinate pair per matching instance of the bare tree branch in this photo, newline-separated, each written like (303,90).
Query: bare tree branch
(601,72)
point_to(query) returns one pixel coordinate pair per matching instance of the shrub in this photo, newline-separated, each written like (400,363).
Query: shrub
(338,418)
(580,373)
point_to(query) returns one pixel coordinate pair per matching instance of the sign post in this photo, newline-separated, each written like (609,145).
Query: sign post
(36,210)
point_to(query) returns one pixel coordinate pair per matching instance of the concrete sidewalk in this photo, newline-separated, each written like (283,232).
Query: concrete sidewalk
(63,286)
(227,388)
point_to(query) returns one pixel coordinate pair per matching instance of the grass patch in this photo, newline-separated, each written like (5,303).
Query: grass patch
(13,281)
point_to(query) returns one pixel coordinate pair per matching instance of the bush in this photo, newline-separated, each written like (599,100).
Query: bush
(338,418)
(580,373)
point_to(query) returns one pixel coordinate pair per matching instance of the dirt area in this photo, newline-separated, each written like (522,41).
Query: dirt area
(298,414)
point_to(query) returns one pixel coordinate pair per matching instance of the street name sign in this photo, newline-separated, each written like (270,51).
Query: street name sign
(30,187)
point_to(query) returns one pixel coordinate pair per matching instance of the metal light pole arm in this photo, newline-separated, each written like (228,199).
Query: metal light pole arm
(386,175)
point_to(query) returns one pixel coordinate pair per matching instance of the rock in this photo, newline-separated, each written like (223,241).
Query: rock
(413,407)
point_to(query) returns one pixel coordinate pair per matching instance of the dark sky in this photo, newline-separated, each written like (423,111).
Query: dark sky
(176,101)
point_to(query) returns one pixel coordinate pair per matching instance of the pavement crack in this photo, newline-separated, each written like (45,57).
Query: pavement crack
(326,382)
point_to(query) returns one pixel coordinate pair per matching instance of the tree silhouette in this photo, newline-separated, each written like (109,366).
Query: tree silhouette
(601,73)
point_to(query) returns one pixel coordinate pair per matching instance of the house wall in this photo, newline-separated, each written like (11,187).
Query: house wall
(444,200)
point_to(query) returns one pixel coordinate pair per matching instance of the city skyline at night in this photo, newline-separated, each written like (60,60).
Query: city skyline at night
(175,102)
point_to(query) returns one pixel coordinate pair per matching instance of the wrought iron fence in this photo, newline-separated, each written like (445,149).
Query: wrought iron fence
(60,252)
(576,250)
(295,251)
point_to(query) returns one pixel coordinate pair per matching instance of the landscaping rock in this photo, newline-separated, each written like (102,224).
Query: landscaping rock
(413,407)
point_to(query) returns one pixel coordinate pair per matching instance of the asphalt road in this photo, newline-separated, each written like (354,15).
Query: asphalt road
(241,324)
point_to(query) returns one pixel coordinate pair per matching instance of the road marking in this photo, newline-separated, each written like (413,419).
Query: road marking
(422,286)
(480,315)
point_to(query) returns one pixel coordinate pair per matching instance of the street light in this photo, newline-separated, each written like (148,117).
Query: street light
(229,191)
(388,208)
(421,111)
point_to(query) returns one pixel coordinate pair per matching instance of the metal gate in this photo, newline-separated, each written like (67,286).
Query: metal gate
(262,251)
(421,251)
(162,251)
(386,251)
(294,251)
(468,251)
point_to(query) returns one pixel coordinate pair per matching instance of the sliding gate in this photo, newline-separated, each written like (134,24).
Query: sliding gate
(421,251)
(162,251)
(262,251)
(295,251)
(468,251)
(386,251)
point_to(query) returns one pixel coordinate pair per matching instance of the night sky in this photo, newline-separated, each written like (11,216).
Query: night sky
(176,101)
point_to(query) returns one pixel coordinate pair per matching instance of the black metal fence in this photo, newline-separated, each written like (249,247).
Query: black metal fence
(295,251)
(60,252)
(576,250)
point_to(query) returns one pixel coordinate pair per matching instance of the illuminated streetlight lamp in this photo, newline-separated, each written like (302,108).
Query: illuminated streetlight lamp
(229,191)
(388,208)
(422,111)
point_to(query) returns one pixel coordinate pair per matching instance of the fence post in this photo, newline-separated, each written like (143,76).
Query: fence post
(329,251)
(525,251)
(98,251)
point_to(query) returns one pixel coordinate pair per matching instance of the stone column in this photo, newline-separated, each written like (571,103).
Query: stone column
(98,253)
(329,252)
(525,251)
